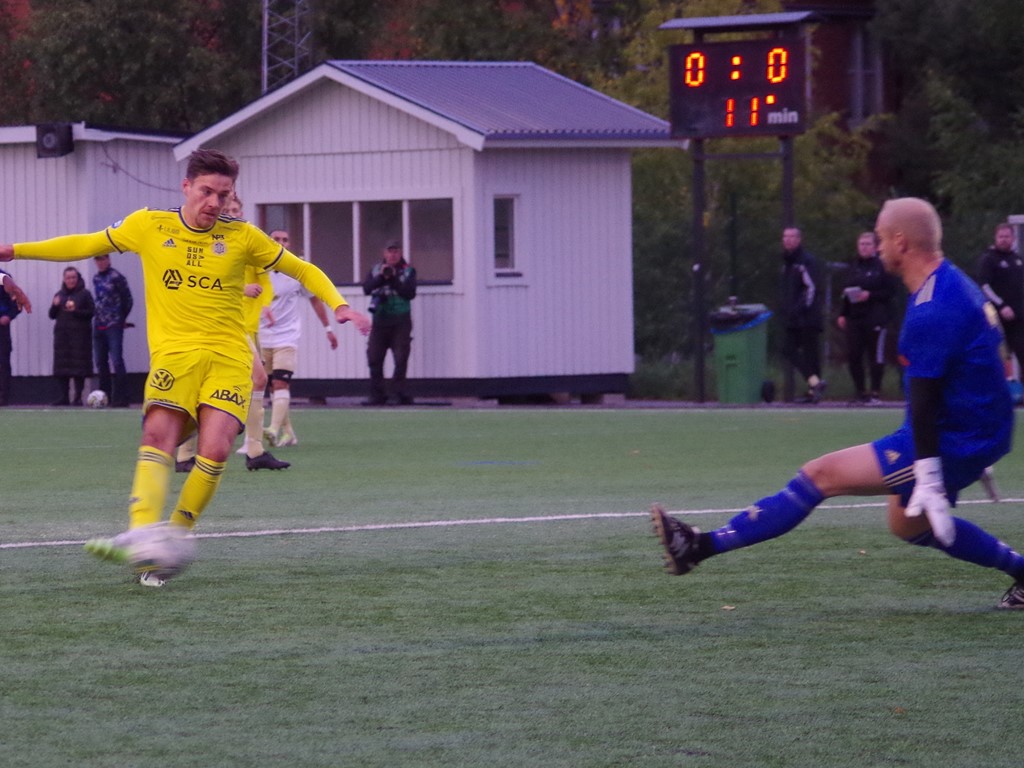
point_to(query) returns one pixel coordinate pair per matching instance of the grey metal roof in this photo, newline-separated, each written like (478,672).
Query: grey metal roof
(508,100)
(744,22)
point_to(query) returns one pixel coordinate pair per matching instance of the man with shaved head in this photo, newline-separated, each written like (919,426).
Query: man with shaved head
(959,420)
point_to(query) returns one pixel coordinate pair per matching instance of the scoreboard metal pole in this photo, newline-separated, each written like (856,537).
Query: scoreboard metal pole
(699,222)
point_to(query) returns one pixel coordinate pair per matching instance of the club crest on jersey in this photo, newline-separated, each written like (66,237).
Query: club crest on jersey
(219,248)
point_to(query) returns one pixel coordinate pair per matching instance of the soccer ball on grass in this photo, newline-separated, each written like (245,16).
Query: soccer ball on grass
(97,399)
(161,549)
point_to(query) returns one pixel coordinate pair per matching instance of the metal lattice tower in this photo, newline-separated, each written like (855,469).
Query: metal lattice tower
(287,41)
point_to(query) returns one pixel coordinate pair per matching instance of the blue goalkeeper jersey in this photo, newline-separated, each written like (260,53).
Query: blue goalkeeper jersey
(951,332)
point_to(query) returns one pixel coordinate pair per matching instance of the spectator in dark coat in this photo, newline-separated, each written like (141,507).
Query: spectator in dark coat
(1001,277)
(801,311)
(113,303)
(72,308)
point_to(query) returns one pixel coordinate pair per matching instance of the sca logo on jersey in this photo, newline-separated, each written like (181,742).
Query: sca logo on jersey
(161,379)
(173,280)
(231,397)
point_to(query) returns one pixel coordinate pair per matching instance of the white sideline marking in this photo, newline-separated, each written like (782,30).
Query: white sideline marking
(470,521)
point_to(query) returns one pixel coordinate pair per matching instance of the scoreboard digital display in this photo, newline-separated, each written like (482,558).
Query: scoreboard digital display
(739,88)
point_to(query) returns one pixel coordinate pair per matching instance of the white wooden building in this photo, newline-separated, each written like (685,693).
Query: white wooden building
(509,185)
(511,189)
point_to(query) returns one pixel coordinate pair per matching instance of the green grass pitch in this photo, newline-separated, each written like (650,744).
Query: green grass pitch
(440,587)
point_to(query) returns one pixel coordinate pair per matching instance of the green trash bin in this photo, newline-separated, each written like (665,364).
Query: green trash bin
(741,351)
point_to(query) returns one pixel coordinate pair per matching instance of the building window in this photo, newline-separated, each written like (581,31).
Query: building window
(345,239)
(504,235)
(331,240)
(286,216)
(379,221)
(431,239)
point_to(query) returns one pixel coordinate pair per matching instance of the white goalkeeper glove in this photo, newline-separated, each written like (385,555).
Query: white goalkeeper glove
(929,497)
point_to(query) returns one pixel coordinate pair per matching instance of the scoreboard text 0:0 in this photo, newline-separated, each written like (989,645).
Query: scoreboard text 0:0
(739,88)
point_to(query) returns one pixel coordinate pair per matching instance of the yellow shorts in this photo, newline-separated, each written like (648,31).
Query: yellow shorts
(187,381)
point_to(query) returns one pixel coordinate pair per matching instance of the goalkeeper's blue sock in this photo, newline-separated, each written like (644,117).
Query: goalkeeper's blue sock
(976,545)
(770,517)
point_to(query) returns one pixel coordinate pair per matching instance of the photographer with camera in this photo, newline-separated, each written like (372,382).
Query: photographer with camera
(391,284)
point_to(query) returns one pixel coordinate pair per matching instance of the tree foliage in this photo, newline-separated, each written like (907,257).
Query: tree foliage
(14,94)
(958,129)
(347,29)
(151,64)
(575,45)
(140,63)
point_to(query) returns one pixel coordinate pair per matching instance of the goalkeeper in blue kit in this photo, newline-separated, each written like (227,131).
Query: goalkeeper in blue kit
(959,420)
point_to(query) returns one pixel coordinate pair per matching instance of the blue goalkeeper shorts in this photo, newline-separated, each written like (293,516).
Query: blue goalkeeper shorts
(895,454)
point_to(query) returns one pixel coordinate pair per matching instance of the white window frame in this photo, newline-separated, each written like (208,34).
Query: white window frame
(515,273)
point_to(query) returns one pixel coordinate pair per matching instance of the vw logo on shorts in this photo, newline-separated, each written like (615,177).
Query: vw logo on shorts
(161,379)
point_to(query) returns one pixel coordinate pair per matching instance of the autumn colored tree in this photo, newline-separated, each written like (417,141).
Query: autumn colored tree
(140,63)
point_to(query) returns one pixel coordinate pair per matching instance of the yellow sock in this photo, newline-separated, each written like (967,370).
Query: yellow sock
(199,488)
(149,488)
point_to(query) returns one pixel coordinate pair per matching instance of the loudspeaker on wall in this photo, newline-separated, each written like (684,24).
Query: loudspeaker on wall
(54,140)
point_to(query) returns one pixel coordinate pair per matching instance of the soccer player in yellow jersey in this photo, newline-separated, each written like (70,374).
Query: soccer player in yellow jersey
(193,262)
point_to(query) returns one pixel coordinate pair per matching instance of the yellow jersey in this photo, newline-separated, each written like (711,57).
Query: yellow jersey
(252,309)
(194,279)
